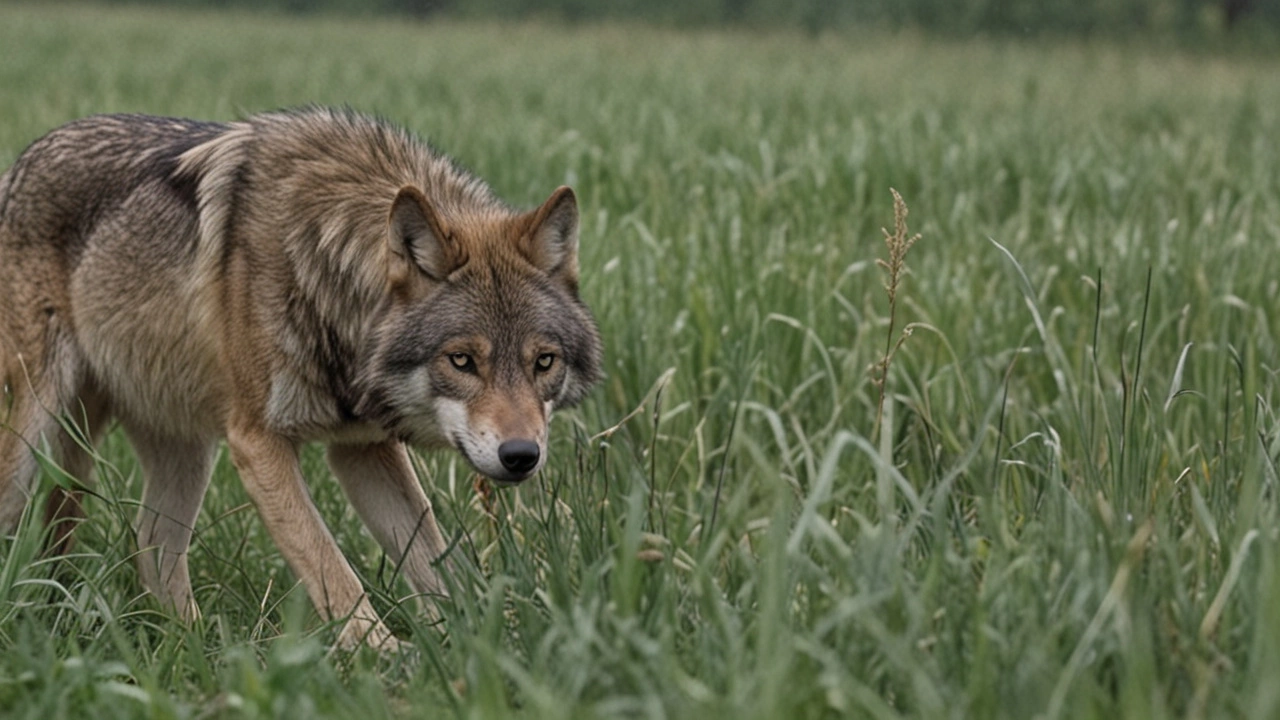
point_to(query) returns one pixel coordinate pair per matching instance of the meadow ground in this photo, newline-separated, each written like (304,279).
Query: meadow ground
(1071,511)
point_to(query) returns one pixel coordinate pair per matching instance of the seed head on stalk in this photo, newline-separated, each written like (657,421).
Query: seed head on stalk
(898,242)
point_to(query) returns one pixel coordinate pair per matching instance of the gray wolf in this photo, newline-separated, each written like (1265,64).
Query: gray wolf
(312,275)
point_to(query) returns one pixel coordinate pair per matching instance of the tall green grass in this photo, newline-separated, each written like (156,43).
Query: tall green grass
(1070,510)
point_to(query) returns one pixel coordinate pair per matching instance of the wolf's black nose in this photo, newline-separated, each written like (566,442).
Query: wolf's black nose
(518,456)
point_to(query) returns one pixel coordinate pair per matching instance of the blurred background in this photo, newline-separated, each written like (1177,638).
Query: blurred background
(1195,20)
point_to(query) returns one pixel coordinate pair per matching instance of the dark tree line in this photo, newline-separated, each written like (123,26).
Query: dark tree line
(1074,17)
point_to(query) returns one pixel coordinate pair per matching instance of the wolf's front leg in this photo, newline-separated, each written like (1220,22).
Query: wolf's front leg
(176,473)
(268,466)
(380,482)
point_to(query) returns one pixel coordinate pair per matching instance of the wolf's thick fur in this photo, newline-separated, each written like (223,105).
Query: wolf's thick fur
(300,276)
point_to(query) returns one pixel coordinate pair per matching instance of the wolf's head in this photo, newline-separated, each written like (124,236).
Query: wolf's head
(485,333)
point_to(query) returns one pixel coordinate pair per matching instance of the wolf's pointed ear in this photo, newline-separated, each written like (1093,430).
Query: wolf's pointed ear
(551,242)
(418,238)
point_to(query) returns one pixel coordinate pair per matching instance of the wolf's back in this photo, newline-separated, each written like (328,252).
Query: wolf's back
(70,182)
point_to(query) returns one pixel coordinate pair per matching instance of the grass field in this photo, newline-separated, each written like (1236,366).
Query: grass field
(1071,510)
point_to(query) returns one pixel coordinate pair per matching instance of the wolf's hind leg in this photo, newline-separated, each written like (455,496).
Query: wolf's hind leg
(381,485)
(38,389)
(19,425)
(74,452)
(175,477)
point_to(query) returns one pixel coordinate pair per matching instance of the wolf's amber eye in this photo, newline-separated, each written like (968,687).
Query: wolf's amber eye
(462,361)
(544,362)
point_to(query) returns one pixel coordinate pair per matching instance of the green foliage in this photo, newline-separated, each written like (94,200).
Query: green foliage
(1073,509)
